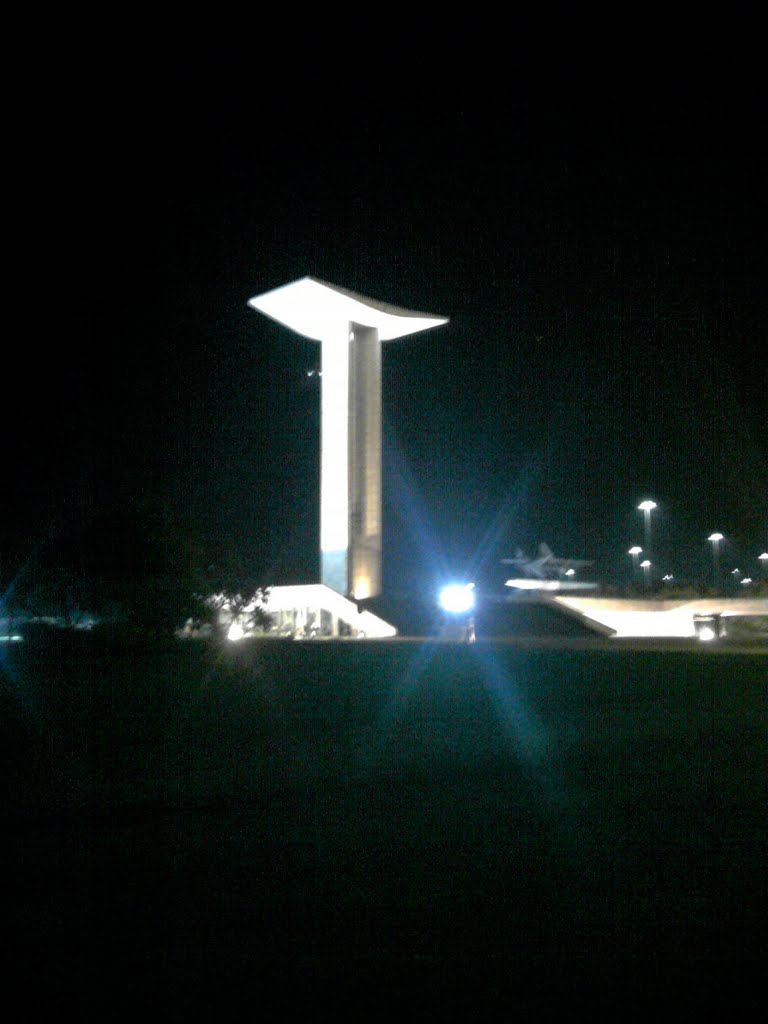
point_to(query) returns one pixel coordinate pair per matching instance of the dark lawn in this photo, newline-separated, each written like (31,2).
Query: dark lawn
(390,826)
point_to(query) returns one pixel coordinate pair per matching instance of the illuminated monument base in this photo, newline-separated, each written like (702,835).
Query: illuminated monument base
(351,329)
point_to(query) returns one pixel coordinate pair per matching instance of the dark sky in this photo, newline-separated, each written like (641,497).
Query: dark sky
(592,220)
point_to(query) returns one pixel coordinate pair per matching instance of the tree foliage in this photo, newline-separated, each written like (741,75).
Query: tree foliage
(128,568)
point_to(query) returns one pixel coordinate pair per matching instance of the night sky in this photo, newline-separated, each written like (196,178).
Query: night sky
(592,220)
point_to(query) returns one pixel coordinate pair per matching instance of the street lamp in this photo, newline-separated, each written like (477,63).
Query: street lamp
(763,560)
(646,507)
(715,539)
(646,567)
(634,552)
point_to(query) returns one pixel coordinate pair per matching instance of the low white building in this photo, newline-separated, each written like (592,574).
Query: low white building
(314,610)
(620,617)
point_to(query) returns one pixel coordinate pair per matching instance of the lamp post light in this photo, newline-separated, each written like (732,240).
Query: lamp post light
(646,567)
(635,552)
(715,539)
(763,560)
(646,507)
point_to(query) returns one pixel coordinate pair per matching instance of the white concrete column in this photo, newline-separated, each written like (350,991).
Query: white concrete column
(364,572)
(334,462)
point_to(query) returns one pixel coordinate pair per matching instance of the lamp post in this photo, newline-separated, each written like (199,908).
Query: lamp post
(715,539)
(646,507)
(635,552)
(646,567)
(763,560)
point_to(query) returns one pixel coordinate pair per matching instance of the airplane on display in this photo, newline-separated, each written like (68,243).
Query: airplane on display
(547,572)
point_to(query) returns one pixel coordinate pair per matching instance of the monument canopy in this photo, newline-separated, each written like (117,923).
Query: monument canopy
(322,311)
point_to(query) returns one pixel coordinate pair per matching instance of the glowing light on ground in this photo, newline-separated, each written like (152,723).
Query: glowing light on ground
(235,632)
(457,598)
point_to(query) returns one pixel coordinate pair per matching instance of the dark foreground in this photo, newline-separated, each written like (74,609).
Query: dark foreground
(395,830)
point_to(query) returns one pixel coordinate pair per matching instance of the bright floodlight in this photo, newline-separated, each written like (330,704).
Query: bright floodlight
(635,550)
(235,632)
(645,564)
(457,598)
(647,506)
(763,557)
(716,537)
(351,328)
(707,633)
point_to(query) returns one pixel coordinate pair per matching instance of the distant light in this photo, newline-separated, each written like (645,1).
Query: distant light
(10,638)
(457,598)
(763,557)
(635,551)
(570,572)
(645,564)
(235,632)
(746,581)
(647,506)
(715,537)
(668,578)
(735,572)
(707,633)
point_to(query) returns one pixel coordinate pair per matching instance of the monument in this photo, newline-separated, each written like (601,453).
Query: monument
(350,328)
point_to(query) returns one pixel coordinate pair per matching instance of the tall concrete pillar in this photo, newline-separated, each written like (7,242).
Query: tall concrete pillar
(364,460)
(351,329)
